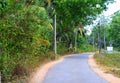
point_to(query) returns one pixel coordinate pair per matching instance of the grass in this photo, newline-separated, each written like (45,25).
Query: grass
(86,48)
(110,62)
(22,71)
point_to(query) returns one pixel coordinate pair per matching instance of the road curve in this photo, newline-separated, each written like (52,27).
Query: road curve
(73,69)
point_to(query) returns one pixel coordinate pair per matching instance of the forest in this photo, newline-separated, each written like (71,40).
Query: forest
(27,32)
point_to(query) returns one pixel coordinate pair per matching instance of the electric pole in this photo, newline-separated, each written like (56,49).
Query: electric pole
(93,40)
(104,39)
(99,40)
(55,45)
(76,39)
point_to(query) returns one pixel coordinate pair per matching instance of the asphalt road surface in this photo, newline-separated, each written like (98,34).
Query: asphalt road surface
(73,69)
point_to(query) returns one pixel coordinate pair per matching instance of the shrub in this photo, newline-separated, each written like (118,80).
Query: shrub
(24,33)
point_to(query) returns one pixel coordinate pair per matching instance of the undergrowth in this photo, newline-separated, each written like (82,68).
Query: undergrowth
(22,71)
(110,62)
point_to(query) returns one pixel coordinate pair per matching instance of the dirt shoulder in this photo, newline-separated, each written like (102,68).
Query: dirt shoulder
(96,68)
(38,76)
(40,73)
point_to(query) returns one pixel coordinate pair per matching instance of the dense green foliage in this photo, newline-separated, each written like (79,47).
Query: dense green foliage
(73,15)
(26,31)
(76,11)
(114,30)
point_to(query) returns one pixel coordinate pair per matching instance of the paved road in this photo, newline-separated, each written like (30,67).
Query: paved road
(73,69)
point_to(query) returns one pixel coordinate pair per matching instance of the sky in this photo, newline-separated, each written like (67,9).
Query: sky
(112,8)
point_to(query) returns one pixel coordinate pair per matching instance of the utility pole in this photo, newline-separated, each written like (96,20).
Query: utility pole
(75,39)
(104,39)
(103,20)
(99,40)
(93,41)
(55,45)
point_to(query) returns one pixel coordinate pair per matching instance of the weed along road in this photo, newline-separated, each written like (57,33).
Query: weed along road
(73,69)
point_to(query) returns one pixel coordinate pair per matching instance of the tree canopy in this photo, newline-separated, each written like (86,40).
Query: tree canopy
(26,30)
(75,14)
(77,11)
(114,29)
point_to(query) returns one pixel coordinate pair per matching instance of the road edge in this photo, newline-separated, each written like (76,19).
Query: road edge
(39,75)
(96,68)
(41,72)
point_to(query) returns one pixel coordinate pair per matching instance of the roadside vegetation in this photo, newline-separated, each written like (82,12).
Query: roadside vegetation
(26,32)
(111,31)
(110,62)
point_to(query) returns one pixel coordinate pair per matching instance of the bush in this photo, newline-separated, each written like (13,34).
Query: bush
(86,48)
(25,33)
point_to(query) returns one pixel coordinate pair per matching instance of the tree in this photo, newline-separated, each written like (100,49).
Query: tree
(70,13)
(114,29)
(24,32)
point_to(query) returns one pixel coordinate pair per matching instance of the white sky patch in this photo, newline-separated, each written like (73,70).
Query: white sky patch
(112,8)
